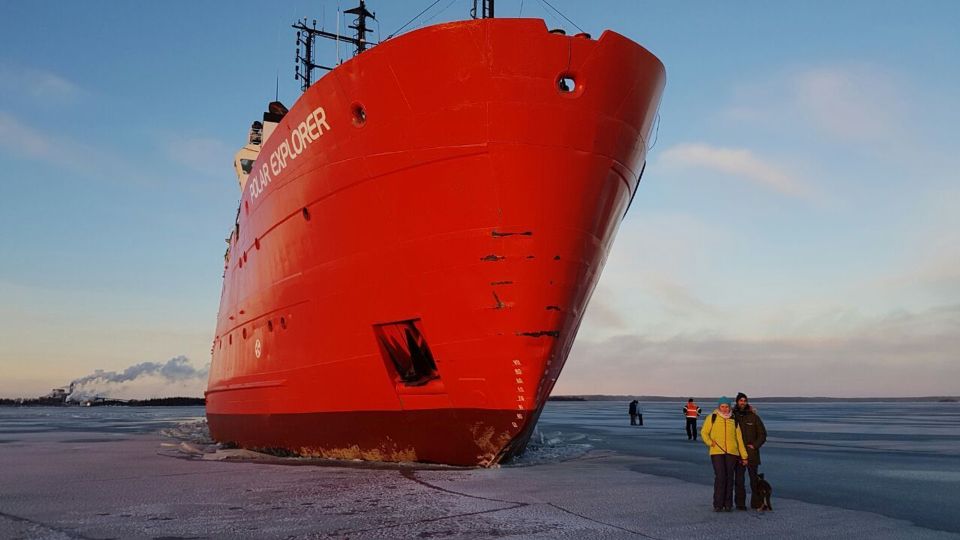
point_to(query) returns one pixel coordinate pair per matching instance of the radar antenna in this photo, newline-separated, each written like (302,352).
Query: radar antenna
(307,34)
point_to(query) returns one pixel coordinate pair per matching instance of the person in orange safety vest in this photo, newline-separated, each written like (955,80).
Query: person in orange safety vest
(691,412)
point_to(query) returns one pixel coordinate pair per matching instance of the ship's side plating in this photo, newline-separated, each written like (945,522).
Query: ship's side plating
(419,238)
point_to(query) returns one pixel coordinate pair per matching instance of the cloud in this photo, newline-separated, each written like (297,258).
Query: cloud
(675,298)
(602,317)
(898,354)
(655,275)
(929,268)
(45,87)
(939,274)
(925,261)
(23,140)
(852,103)
(737,162)
(670,242)
(856,103)
(26,142)
(204,155)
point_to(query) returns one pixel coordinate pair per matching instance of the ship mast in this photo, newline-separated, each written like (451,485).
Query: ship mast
(307,34)
(487,12)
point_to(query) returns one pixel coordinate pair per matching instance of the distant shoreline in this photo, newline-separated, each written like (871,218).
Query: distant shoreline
(195,402)
(768,399)
(156,402)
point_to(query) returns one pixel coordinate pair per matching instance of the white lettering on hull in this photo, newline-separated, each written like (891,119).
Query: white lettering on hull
(300,138)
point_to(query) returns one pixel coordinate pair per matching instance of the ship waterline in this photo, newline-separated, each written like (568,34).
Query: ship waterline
(419,238)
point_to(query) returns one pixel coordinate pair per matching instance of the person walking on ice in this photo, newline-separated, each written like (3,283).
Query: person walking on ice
(691,412)
(633,412)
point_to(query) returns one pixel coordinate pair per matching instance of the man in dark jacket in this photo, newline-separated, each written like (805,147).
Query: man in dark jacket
(754,435)
(633,412)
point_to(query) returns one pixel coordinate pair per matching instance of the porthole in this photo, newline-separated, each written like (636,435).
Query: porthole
(230,340)
(244,333)
(359,114)
(306,213)
(566,84)
(256,243)
(270,325)
(283,323)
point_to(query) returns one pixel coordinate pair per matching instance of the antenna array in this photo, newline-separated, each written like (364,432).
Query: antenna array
(306,36)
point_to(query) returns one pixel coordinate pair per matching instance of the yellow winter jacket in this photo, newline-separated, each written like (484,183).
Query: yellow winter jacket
(726,433)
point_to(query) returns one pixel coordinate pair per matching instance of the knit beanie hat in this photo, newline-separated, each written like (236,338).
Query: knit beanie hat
(741,395)
(723,400)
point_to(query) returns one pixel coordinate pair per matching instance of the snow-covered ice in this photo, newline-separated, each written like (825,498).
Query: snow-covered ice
(588,474)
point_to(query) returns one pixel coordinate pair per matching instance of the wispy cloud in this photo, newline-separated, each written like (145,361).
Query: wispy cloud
(846,103)
(854,103)
(739,163)
(22,140)
(670,242)
(45,87)
(928,256)
(898,354)
(208,156)
(27,142)
(651,277)
(602,311)
(676,299)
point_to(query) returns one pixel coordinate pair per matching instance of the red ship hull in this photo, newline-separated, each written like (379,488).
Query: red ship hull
(408,276)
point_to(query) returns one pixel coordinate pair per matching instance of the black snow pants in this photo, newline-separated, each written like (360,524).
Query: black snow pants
(723,465)
(739,484)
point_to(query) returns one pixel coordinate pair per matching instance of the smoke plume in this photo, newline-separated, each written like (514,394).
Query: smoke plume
(174,378)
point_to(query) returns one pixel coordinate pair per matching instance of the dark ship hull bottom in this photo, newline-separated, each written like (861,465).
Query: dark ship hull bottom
(470,437)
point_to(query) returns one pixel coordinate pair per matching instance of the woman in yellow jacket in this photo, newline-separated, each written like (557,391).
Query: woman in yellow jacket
(722,435)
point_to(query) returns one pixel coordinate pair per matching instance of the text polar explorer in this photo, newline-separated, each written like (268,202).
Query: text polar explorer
(312,127)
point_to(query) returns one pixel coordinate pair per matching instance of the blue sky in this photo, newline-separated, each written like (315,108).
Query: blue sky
(796,231)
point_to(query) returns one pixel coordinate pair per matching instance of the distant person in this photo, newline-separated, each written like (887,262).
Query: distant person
(633,412)
(754,435)
(722,435)
(691,412)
